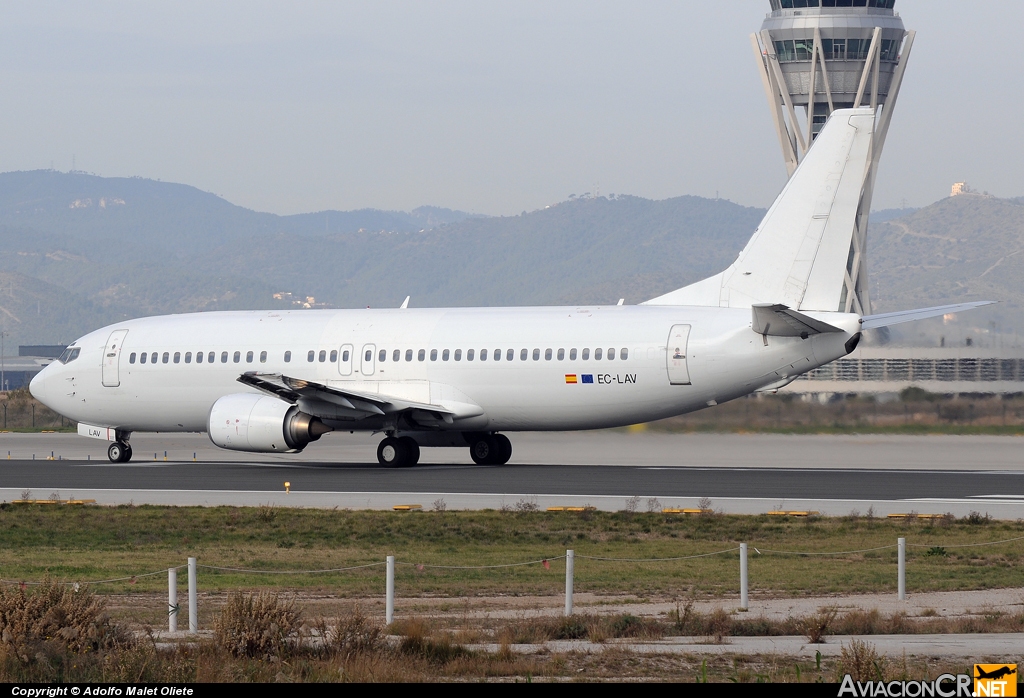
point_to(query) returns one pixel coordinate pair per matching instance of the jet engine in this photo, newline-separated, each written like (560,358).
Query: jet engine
(264,424)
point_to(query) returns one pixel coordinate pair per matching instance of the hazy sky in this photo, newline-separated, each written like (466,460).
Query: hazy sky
(493,107)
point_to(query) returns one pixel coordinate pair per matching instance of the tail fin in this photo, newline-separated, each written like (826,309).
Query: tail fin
(799,254)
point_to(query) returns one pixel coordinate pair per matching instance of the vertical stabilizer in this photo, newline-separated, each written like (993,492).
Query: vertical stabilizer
(801,252)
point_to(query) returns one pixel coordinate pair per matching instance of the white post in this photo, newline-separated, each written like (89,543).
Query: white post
(389,603)
(172,600)
(193,598)
(570,564)
(744,596)
(901,545)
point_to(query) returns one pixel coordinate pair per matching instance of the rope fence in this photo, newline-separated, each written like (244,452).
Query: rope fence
(570,556)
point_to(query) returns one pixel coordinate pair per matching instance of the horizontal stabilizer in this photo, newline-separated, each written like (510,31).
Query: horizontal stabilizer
(777,320)
(870,322)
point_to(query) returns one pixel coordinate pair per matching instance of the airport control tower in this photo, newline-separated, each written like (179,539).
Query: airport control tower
(819,55)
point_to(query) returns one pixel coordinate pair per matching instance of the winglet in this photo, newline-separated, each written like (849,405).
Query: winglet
(405,303)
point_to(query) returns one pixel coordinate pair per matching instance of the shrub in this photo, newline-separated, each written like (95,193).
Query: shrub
(55,617)
(256,625)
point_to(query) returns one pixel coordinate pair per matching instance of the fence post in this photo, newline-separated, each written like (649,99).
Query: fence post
(744,596)
(901,546)
(570,564)
(389,601)
(193,598)
(172,599)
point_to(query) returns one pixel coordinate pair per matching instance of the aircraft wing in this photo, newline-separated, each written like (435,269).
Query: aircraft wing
(330,402)
(777,320)
(870,322)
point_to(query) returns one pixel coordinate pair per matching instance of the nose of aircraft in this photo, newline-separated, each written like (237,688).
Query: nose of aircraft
(38,385)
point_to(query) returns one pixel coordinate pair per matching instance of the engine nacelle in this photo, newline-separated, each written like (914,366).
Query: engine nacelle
(260,423)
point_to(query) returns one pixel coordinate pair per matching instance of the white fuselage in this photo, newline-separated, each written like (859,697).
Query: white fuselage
(553,380)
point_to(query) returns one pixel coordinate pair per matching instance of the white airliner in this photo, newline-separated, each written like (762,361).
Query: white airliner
(275,381)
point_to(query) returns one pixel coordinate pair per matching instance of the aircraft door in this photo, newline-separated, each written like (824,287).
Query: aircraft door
(675,356)
(345,360)
(368,359)
(111,358)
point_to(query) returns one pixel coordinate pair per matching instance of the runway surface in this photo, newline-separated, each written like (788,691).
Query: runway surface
(739,473)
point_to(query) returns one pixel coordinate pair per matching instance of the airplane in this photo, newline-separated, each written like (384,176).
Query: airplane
(276,381)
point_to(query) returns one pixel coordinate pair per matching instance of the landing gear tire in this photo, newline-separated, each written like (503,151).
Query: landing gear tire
(412,451)
(119,452)
(502,449)
(391,452)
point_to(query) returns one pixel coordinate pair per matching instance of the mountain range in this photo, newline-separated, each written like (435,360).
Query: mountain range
(78,251)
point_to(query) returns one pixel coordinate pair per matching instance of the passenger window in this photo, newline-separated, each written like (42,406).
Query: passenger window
(323,355)
(152,358)
(483,355)
(334,355)
(382,355)
(210,356)
(445,355)
(469,355)
(421,355)
(223,357)
(131,359)
(458,355)
(586,354)
(624,354)
(572,355)
(433,354)
(263,357)
(188,357)
(344,356)
(408,354)
(510,354)
(547,355)
(396,355)
(167,357)
(561,354)
(310,356)
(597,354)
(199,357)
(523,354)
(142,359)
(177,357)
(369,355)
(237,357)
(497,354)
(611,355)
(287,357)
(248,357)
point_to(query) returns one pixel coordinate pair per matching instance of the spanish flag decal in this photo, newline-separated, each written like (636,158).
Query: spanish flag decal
(570,377)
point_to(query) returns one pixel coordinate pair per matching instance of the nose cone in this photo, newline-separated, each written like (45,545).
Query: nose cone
(38,385)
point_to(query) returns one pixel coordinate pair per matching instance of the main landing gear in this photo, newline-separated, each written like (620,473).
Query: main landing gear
(119,452)
(490,449)
(402,452)
(484,449)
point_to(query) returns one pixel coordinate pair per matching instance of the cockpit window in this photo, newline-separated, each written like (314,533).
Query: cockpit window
(69,355)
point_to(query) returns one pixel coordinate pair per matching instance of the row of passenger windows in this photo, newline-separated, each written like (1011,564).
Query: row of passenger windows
(382,356)
(496,355)
(210,357)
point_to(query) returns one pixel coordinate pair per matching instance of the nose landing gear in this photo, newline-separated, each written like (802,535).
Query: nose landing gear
(119,452)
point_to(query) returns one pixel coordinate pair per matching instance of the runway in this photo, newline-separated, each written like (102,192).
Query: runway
(738,473)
